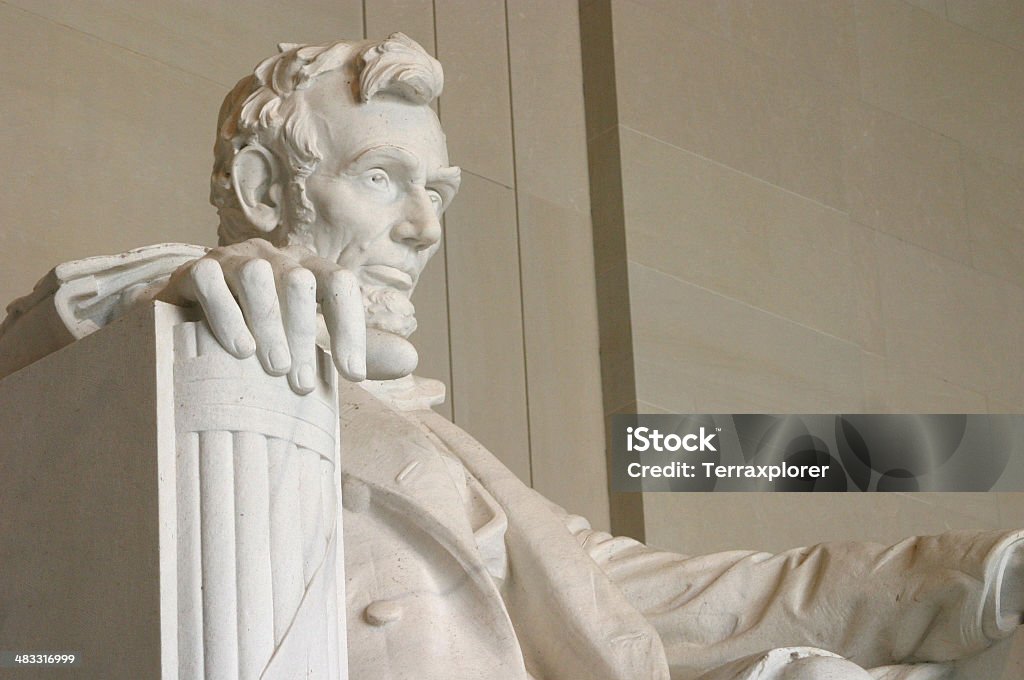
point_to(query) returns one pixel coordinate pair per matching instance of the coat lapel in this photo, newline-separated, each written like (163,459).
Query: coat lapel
(566,611)
(391,455)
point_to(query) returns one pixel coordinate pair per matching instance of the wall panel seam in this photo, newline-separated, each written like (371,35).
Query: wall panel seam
(519,242)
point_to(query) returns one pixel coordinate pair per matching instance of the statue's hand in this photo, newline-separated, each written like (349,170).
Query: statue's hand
(262,299)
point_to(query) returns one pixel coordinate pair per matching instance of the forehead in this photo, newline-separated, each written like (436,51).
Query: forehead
(346,129)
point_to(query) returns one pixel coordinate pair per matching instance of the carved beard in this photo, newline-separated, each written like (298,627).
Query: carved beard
(389,310)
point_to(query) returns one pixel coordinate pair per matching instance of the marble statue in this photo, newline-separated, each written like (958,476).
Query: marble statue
(330,178)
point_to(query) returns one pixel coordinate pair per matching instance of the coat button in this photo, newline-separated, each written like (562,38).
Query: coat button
(382,612)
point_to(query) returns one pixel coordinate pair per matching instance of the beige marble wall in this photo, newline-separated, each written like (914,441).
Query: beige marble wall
(823,212)
(107,128)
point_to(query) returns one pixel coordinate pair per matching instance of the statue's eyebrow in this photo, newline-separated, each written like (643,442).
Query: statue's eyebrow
(446,181)
(387,154)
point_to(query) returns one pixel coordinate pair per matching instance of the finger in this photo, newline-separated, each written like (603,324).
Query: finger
(341,301)
(297,292)
(254,284)
(205,283)
(342,304)
(179,289)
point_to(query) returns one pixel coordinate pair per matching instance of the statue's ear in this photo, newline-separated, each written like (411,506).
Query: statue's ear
(257,185)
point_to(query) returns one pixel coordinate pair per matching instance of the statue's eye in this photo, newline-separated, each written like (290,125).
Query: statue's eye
(379,178)
(435,200)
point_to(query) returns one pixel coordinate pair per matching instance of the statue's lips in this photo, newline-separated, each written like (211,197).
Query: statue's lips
(388,276)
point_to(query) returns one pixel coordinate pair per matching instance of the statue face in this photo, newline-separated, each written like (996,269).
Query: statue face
(378,194)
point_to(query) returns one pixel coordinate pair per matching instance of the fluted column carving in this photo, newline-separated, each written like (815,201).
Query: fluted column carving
(257,517)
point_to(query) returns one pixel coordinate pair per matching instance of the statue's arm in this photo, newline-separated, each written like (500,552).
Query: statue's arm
(932,598)
(256,298)
(79,297)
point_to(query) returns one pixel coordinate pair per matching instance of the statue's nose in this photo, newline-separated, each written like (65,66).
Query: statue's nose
(420,226)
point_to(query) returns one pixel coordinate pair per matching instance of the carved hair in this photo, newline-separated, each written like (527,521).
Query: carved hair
(266,108)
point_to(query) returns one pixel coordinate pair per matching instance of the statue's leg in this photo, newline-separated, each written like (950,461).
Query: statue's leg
(823,668)
(923,671)
(790,663)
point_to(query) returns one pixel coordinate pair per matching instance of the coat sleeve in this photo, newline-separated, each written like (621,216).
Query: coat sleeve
(932,598)
(79,297)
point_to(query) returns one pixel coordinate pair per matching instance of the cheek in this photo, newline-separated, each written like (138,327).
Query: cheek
(335,223)
(332,207)
(345,208)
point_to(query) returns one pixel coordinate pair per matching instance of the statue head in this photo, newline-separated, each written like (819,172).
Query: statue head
(335,147)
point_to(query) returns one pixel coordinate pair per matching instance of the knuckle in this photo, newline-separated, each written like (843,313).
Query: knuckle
(299,280)
(204,271)
(341,281)
(256,272)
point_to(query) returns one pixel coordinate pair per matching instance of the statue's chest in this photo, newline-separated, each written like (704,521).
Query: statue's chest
(415,606)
